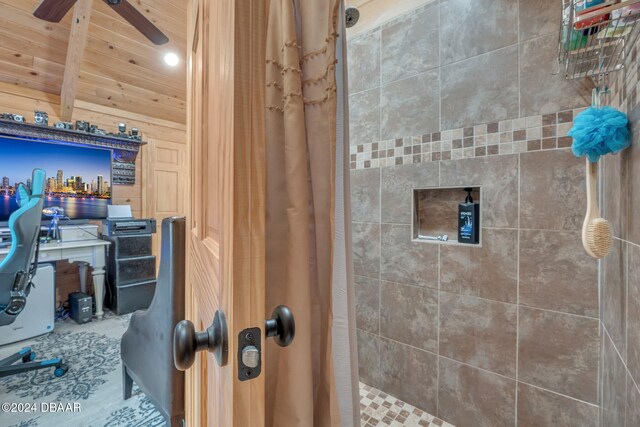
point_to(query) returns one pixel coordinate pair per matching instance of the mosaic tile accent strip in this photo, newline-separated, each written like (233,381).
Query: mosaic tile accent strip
(380,409)
(545,132)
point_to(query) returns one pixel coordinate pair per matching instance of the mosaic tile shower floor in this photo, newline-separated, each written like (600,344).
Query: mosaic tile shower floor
(380,409)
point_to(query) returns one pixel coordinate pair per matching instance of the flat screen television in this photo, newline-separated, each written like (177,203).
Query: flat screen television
(78,178)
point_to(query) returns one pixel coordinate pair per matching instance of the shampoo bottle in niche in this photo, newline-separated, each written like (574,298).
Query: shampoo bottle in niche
(469,220)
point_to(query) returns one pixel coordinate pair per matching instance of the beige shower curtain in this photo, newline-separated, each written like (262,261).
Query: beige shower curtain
(301,193)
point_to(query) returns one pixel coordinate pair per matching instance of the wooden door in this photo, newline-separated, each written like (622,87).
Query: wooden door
(225,259)
(165,168)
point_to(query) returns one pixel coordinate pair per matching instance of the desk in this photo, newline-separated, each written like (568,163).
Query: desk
(90,251)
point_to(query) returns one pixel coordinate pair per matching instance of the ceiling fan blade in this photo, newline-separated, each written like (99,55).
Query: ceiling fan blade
(139,21)
(53,10)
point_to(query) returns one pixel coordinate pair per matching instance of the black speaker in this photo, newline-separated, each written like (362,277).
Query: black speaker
(81,307)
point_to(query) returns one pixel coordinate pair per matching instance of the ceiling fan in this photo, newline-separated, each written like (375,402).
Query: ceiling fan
(54,11)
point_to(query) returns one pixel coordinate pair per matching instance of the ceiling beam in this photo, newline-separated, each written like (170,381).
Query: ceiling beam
(77,40)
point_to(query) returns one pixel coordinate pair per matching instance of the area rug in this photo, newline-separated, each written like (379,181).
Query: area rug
(94,380)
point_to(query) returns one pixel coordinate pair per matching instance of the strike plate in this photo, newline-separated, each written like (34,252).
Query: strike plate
(249,337)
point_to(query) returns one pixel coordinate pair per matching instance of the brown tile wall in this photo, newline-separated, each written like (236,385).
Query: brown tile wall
(620,270)
(451,81)
(519,313)
(503,334)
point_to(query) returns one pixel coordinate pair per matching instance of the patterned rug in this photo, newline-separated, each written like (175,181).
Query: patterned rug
(94,379)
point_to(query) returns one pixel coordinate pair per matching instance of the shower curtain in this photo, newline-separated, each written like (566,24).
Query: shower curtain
(314,381)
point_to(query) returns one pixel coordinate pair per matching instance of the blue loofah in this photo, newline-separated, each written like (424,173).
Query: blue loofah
(599,131)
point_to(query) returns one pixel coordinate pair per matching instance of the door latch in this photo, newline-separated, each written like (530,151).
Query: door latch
(249,354)
(281,327)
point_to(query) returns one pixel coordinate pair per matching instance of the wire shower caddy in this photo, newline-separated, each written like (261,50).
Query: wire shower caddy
(595,40)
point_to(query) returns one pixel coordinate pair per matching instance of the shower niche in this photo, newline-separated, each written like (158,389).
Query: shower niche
(435,214)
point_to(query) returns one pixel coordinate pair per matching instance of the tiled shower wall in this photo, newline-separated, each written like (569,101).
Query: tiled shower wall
(507,332)
(456,64)
(620,270)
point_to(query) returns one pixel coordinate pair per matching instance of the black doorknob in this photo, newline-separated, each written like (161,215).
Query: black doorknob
(187,342)
(281,326)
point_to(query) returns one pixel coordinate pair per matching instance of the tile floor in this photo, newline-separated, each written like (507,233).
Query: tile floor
(380,409)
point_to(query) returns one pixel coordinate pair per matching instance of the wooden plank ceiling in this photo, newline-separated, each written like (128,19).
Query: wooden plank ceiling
(120,67)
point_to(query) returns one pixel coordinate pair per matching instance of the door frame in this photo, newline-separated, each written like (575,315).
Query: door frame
(243,236)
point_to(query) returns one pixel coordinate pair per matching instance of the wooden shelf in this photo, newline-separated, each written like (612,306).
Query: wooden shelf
(33,130)
(124,150)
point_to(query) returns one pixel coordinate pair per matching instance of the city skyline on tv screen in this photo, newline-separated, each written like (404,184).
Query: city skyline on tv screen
(78,178)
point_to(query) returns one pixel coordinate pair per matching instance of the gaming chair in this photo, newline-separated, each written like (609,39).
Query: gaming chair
(17,271)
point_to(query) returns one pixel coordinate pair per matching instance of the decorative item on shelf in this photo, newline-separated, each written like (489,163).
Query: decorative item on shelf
(134,133)
(597,131)
(82,126)
(64,125)
(41,118)
(13,117)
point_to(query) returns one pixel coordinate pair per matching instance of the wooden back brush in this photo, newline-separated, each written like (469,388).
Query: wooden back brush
(596,231)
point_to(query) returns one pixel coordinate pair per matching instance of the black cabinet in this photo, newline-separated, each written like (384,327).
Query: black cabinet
(131,273)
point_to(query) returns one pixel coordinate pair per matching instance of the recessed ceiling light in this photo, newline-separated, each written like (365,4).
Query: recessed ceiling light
(171,59)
